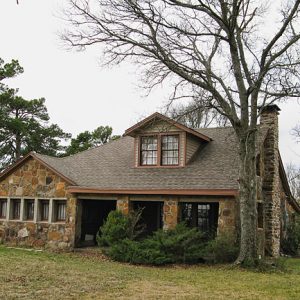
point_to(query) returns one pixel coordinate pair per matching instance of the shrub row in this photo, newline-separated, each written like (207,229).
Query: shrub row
(120,233)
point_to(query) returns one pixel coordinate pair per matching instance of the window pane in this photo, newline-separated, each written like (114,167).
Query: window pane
(149,150)
(3,208)
(60,210)
(44,210)
(16,209)
(170,150)
(203,216)
(29,206)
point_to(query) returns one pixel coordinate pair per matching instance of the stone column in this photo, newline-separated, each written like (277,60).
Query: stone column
(123,204)
(271,181)
(171,213)
(70,231)
(227,216)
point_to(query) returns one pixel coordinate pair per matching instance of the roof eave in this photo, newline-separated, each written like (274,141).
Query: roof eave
(190,192)
(293,202)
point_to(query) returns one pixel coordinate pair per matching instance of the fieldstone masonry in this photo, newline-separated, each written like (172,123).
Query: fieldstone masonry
(34,181)
(227,221)
(171,213)
(271,182)
(123,204)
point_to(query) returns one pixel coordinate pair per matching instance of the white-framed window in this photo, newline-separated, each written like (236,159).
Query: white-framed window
(3,208)
(149,150)
(170,150)
(44,208)
(15,209)
(59,210)
(159,150)
(29,209)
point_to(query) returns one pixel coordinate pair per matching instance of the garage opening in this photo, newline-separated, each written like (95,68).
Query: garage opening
(94,214)
(152,215)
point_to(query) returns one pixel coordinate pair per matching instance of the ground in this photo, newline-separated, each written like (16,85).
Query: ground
(42,275)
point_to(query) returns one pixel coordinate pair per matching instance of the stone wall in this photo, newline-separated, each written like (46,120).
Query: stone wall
(32,180)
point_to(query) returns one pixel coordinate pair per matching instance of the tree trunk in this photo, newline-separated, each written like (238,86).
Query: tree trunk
(18,147)
(247,198)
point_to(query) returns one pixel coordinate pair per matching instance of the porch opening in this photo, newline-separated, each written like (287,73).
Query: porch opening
(204,216)
(152,215)
(94,213)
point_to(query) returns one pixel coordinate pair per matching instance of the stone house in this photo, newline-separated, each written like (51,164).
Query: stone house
(174,172)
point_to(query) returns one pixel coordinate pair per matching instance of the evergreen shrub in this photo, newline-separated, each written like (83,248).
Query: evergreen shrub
(222,249)
(291,243)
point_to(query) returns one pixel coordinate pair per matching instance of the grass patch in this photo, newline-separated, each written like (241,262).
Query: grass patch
(44,275)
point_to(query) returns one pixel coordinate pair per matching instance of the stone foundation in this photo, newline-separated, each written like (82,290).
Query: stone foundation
(38,235)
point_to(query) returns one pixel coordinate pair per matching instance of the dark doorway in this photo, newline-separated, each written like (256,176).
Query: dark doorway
(152,215)
(204,216)
(94,213)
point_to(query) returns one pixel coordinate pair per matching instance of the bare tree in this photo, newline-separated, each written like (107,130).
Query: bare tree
(293,176)
(296,132)
(195,115)
(218,47)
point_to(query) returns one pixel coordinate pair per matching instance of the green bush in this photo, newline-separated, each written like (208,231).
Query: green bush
(138,252)
(182,244)
(179,245)
(118,227)
(223,249)
(291,243)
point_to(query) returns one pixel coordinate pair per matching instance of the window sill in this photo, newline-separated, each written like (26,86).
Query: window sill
(160,167)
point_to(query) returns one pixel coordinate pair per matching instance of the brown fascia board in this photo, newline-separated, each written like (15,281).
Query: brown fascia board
(286,186)
(202,192)
(22,160)
(130,131)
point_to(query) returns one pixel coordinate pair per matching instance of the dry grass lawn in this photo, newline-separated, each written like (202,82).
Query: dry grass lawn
(43,275)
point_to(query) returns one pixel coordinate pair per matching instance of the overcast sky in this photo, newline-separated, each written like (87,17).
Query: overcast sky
(79,94)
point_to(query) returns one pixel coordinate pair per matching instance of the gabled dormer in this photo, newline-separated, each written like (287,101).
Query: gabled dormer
(162,142)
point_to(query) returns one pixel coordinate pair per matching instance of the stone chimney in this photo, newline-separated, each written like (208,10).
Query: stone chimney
(271,180)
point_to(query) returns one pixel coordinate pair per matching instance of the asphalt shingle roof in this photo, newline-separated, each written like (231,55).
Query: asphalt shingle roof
(111,166)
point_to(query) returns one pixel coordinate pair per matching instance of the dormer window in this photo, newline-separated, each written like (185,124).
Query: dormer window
(162,142)
(149,151)
(169,150)
(159,150)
